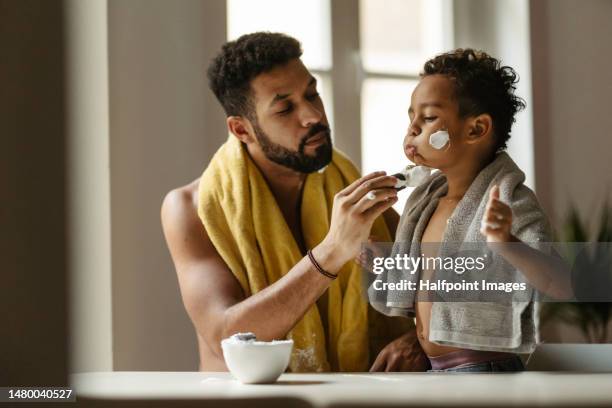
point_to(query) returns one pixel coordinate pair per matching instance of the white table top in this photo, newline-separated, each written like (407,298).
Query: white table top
(323,390)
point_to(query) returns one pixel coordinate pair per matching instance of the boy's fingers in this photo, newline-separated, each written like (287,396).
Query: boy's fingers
(492,232)
(494,192)
(498,208)
(487,231)
(498,215)
(493,225)
(497,203)
(504,212)
(495,218)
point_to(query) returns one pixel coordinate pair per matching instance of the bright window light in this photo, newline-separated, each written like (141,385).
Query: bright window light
(311,25)
(384,124)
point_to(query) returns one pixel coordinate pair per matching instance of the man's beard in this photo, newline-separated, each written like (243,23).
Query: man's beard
(298,160)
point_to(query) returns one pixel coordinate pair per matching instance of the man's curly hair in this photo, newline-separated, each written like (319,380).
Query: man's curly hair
(231,71)
(482,85)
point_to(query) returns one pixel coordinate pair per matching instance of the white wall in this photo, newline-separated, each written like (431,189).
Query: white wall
(88,186)
(577,87)
(164,127)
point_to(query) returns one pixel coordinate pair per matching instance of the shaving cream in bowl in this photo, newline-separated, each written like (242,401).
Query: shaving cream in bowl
(256,362)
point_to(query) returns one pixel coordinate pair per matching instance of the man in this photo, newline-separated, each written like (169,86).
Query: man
(284,215)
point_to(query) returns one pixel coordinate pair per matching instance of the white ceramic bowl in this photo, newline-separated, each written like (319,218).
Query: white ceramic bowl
(256,362)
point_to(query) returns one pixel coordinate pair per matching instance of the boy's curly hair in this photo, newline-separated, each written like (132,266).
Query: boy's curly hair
(482,85)
(231,71)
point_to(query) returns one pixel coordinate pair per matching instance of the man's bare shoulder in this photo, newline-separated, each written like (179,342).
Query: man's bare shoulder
(185,233)
(184,198)
(179,216)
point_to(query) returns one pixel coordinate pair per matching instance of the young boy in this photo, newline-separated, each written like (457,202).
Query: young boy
(461,114)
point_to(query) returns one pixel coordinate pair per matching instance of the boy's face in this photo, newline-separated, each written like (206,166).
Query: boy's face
(433,107)
(291,127)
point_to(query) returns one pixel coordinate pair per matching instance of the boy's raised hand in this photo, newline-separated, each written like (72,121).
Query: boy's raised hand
(497,220)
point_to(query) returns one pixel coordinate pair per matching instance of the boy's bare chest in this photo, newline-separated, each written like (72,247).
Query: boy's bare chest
(434,231)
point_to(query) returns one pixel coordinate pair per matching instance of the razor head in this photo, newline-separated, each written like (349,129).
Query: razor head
(401,181)
(411,176)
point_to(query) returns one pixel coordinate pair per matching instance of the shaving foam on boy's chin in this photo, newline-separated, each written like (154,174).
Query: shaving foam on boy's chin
(439,139)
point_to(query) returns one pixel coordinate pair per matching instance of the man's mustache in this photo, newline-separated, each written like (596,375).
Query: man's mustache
(313,131)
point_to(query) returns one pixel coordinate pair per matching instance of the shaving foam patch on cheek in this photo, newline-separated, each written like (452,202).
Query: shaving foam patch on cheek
(439,139)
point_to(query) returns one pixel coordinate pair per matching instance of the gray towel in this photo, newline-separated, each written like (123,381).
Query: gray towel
(495,326)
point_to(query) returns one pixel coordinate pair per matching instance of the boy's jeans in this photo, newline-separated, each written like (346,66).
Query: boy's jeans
(512,364)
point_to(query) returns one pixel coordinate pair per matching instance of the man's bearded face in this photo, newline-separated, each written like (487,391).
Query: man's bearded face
(318,135)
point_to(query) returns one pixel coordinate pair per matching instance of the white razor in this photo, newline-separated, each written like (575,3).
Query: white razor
(411,176)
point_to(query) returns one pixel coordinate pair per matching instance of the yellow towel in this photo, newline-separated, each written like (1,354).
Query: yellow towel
(248,230)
